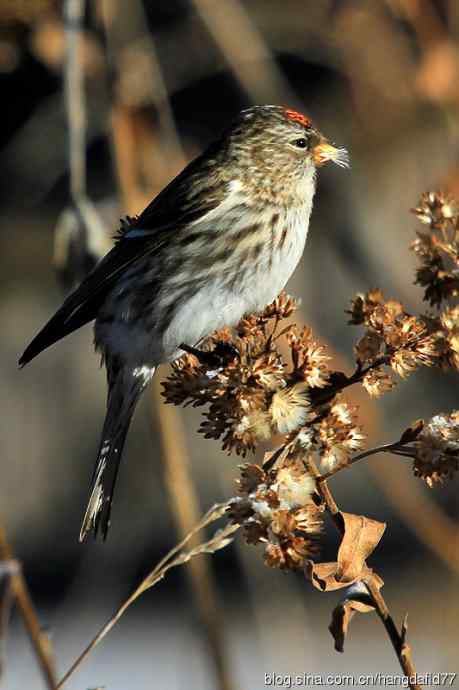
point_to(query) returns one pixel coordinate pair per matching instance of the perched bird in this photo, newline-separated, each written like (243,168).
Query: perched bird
(221,240)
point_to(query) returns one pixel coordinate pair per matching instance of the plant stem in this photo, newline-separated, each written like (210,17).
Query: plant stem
(395,448)
(401,649)
(39,640)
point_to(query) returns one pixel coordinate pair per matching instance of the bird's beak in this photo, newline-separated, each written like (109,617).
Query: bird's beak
(324,152)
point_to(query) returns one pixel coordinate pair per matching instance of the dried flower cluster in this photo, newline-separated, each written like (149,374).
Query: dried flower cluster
(437,448)
(399,339)
(434,447)
(438,249)
(338,435)
(392,337)
(255,393)
(276,508)
(260,380)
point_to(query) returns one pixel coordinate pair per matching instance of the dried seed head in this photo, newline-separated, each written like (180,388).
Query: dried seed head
(276,508)
(252,395)
(438,250)
(377,382)
(339,436)
(294,487)
(436,449)
(290,408)
(368,347)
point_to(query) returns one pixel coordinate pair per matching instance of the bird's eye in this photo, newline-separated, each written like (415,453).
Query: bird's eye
(300,143)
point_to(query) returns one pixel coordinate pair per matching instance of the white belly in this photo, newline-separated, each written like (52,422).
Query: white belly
(217,306)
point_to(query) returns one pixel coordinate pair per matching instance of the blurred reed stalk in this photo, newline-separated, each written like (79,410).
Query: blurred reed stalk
(89,222)
(39,640)
(179,482)
(433,527)
(245,50)
(187,512)
(129,143)
(180,554)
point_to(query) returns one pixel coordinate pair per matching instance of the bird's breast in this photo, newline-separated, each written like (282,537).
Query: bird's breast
(284,247)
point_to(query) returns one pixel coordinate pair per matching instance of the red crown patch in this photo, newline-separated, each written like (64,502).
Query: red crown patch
(297,117)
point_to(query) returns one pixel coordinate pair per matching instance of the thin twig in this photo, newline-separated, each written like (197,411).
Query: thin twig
(325,492)
(425,518)
(401,649)
(397,639)
(175,557)
(394,448)
(38,638)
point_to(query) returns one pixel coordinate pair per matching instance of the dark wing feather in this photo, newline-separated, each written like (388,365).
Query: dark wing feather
(196,190)
(82,305)
(187,198)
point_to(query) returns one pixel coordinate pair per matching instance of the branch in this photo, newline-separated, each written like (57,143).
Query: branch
(396,448)
(75,104)
(74,98)
(340,381)
(397,638)
(185,509)
(39,640)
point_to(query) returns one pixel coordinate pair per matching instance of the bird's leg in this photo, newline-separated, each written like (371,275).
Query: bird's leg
(222,354)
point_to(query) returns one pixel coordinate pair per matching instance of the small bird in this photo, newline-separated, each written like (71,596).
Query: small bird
(220,241)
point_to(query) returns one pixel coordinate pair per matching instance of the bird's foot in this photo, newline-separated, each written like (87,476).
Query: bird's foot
(218,358)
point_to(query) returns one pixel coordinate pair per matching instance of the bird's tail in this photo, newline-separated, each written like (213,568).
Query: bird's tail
(124,390)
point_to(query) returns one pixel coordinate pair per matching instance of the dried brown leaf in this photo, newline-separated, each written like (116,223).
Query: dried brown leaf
(323,576)
(361,536)
(342,616)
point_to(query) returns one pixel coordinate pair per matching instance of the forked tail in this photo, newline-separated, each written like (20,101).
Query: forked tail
(125,389)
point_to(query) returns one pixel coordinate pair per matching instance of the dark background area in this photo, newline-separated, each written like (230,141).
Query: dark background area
(161,80)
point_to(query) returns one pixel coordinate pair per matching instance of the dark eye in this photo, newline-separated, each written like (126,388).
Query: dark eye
(300,143)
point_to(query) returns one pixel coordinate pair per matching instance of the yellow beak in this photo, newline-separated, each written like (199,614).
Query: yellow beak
(324,152)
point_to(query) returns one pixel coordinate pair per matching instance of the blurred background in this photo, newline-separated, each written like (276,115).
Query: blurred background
(94,123)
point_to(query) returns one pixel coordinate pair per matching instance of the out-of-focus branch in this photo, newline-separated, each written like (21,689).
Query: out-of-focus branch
(183,497)
(39,640)
(75,98)
(87,229)
(140,78)
(186,510)
(245,50)
(427,520)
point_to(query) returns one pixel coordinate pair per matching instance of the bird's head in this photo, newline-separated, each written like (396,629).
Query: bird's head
(279,149)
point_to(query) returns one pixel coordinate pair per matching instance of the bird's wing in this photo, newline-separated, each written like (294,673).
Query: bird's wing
(189,197)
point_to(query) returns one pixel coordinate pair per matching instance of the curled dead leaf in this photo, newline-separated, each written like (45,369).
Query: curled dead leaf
(342,616)
(361,536)
(323,576)
(357,599)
